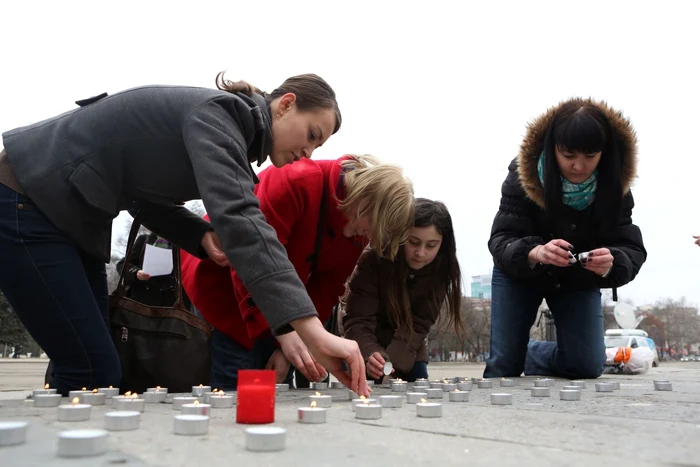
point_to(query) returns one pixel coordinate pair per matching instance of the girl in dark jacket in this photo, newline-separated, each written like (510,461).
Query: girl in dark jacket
(562,232)
(390,306)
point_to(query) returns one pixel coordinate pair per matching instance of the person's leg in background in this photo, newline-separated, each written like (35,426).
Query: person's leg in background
(420,370)
(580,348)
(514,308)
(59,294)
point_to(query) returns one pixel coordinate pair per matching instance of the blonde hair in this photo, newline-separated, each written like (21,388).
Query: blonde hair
(384,193)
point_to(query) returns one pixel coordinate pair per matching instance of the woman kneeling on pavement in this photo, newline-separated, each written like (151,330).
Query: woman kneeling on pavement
(562,232)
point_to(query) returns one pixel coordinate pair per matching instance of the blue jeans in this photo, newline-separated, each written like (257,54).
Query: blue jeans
(228,356)
(578,315)
(60,295)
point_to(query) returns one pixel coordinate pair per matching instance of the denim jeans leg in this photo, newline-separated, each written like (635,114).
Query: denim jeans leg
(580,348)
(420,370)
(514,308)
(59,294)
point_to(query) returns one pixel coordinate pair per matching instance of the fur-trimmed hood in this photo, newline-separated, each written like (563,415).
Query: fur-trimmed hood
(533,144)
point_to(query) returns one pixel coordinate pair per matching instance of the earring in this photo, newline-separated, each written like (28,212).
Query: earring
(279,116)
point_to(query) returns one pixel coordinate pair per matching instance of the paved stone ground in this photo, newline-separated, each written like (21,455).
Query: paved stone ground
(634,426)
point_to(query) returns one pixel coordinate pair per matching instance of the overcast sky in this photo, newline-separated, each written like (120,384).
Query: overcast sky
(443,90)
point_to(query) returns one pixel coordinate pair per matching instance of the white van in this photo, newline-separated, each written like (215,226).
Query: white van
(630,338)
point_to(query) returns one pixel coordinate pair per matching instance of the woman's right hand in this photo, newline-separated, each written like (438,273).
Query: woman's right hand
(557,253)
(375,365)
(331,351)
(142,276)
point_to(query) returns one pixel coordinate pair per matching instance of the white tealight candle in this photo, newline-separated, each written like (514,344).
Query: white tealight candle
(501,399)
(368,411)
(447,387)
(616,385)
(74,394)
(196,408)
(421,385)
(663,385)
(425,409)
(179,401)
(485,384)
(604,387)
(361,400)
(322,401)
(74,412)
(109,392)
(82,443)
(158,389)
(93,398)
(459,396)
(580,383)
(435,393)
(459,379)
(507,383)
(569,395)
(311,414)
(476,380)
(465,385)
(399,386)
(122,420)
(47,400)
(13,432)
(154,397)
(132,402)
(539,392)
(392,402)
(221,400)
(44,391)
(200,390)
(436,384)
(282,387)
(265,438)
(337,385)
(571,388)
(415,397)
(543,383)
(207,395)
(191,425)
(319,386)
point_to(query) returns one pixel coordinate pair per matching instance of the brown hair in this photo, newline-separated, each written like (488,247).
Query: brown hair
(312,93)
(383,192)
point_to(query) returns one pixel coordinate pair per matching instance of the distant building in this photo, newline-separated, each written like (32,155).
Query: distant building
(481,286)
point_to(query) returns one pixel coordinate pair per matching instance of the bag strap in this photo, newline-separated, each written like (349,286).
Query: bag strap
(121,287)
(313,259)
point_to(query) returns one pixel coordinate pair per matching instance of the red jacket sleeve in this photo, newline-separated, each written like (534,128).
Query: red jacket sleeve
(290,198)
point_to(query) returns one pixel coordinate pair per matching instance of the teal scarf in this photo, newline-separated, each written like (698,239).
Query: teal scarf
(577,195)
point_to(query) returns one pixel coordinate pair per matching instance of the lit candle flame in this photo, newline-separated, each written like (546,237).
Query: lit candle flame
(366,401)
(134,396)
(196,402)
(111,387)
(221,393)
(75,400)
(456,390)
(94,391)
(157,388)
(46,386)
(201,386)
(127,393)
(318,393)
(423,400)
(313,404)
(84,389)
(363,397)
(215,390)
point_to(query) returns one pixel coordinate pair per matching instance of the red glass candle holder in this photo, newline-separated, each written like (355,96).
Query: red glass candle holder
(256,396)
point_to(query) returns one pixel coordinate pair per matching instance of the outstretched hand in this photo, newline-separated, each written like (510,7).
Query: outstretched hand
(212,246)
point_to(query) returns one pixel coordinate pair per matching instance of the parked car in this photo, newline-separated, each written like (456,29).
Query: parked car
(631,338)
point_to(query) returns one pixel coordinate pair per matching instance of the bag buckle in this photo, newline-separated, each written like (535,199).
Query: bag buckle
(125,334)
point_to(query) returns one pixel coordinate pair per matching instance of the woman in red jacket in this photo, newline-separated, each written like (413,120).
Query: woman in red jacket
(324,212)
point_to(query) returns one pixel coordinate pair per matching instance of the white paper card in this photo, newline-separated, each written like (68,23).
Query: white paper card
(157,261)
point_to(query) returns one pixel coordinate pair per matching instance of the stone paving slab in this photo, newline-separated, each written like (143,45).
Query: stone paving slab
(633,426)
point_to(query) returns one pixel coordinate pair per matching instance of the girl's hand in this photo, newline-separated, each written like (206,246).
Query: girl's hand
(599,261)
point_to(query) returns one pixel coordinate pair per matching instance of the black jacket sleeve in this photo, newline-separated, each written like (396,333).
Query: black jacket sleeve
(513,233)
(627,247)
(135,262)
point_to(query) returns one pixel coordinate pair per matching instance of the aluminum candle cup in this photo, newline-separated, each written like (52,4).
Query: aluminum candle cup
(158,389)
(465,385)
(429,410)
(368,411)
(74,412)
(434,393)
(13,432)
(485,384)
(616,385)
(337,385)
(109,392)
(571,388)
(400,386)
(129,403)
(74,394)
(539,392)
(46,390)
(507,383)
(421,385)
(154,397)
(459,379)
(312,415)
(356,402)
(415,397)
(319,386)
(604,387)
(476,380)
(221,401)
(196,409)
(207,395)
(436,384)
(94,398)
(391,402)
(284,387)
(265,438)
(82,443)
(543,383)
(569,395)
(459,396)
(191,425)
(122,420)
(321,400)
(501,399)
(200,390)
(447,387)
(663,385)
(178,402)
(47,400)
(580,383)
